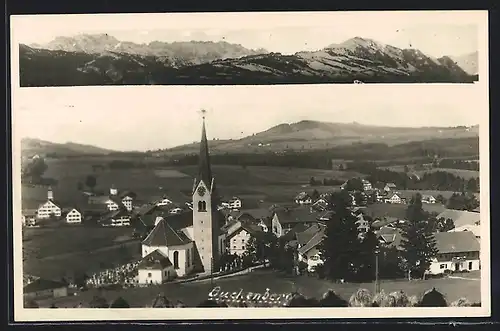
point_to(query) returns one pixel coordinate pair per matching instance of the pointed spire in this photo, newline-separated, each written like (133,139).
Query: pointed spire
(204,170)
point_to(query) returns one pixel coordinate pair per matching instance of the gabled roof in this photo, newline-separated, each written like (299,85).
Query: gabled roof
(456,242)
(302,195)
(305,236)
(155,260)
(55,202)
(460,217)
(390,185)
(41,285)
(291,234)
(164,235)
(296,215)
(314,241)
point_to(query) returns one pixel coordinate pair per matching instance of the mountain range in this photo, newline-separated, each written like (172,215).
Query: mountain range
(101,59)
(294,136)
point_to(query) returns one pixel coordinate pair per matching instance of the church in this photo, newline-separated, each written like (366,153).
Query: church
(190,242)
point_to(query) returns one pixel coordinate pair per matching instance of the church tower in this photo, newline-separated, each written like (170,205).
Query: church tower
(205,224)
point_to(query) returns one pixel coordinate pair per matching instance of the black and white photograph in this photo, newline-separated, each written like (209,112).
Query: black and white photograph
(253,187)
(331,47)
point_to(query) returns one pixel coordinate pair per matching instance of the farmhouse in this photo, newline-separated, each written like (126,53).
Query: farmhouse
(303,198)
(164,201)
(367,186)
(73,216)
(43,288)
(49,208)
(308,242)
(426,198)
(193,241)
(389,237)
(285,219)
(29,217)
(234,203)
(463,220)
(320,205)
(457,251)
(394,198)
(239,237)
(116,218)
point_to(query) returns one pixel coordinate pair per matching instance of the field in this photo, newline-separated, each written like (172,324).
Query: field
(63,251)
(466,174)
(272,184)
(257,281)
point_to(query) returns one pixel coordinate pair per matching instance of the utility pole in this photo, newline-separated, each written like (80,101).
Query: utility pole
(377,287)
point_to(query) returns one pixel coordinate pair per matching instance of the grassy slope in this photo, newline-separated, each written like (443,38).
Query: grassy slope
(193,293)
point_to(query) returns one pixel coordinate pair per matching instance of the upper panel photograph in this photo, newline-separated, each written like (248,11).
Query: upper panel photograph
(246,48)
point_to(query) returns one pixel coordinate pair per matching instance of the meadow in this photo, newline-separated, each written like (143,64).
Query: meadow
(257,282)
(68,250)
(272,184)
(399,210)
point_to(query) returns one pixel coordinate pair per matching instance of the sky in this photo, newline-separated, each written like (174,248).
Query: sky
(434,33)
(157,117)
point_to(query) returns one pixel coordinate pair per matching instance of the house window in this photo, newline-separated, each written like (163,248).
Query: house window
(149,274)
(243,240)
(234,247)
(242,247)
(442,266)
(176,260)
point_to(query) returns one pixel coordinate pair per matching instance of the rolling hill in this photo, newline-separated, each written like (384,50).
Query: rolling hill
(104,60)
(322,135)
(31,147)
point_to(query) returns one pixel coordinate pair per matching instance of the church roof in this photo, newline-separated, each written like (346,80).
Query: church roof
(204,169)
(164,235)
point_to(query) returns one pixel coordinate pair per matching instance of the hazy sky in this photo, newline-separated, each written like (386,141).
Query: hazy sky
(434,33)
(151,117)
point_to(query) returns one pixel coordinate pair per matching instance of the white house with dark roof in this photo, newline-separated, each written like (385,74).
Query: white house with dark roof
(155,268)
(303,198)
(119,217)
(50,207)
(427,198)
(394,198)
(73,216)
(457,251)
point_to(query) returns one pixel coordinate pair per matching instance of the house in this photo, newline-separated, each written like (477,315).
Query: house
(29,218)
(457,251)
(394,198)
(389,187)
(308,245)
(164,201)
(460,217)
(389,237)
(234,203)
(367,186)
(43,289)
(239,236)
(463,220)
(283,220)
(49,208)
(155,268)
(362,223)
(427,198)
(73,216)
(116,218)
(303,198)
(176,210)
(320,205)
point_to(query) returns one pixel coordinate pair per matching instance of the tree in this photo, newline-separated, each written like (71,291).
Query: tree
(35,169)
(418,243)
(440,199)
(340,247)
(366,260)
(445,225)
(354,184)
(91,182)
(472,185)
(119,303)
(406,169)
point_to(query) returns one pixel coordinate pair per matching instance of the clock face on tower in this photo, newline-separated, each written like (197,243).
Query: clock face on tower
(201,190)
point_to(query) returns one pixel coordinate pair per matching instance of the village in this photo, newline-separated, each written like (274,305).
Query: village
(206,236)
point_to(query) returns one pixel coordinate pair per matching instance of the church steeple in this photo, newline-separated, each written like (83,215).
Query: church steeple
(204,169)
